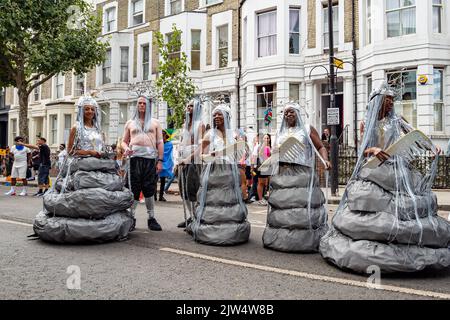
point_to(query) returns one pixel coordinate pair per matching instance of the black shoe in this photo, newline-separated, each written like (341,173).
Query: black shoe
(153,225)
(162,199)
(183,224)
(133,226)
(38,194)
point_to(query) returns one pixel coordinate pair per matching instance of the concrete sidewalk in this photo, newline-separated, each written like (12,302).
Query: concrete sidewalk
(443,195)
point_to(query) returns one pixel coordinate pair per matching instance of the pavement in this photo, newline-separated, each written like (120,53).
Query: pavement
(443,195)
(170,265)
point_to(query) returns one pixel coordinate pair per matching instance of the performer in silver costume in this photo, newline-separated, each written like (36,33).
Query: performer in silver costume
(189,154)
(388,215)
(297,217)
(221,215)
(88,201)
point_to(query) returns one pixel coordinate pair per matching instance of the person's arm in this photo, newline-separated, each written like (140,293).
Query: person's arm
(320,147)
(78,152)
(30,146)
(160,146)
(126,140)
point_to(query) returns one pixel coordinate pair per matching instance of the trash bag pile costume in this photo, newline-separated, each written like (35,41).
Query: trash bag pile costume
(88,202)
(388,214)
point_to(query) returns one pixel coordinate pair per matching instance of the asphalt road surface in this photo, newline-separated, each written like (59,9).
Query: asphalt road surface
(170,265)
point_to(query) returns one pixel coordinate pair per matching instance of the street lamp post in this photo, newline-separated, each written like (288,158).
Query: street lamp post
(332,89)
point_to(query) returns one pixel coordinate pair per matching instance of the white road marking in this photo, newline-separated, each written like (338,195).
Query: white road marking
(16,222)
(311,276)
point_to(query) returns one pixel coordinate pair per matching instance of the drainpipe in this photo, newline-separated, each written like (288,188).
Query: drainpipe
(238,80)
(355,87)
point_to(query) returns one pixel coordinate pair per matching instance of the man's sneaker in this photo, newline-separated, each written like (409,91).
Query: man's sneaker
(38,194)
(162,199)
(23,193)
(10,193)
(153,225)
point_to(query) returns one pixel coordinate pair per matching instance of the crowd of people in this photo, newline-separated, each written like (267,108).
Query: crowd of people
(387,216)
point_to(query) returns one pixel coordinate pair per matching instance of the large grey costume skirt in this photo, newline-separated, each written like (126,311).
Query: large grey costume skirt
(291,227)
(222,216)
(94,206)
(377,226)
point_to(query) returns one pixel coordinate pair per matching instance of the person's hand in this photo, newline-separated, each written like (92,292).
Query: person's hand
(380,154)
(327,165)
(20,143)
(158,167)
(128,152)
(438,150)
(95,154)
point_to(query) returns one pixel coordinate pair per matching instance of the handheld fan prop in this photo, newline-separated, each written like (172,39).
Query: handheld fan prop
(234,152)
(289,151)
(409,145)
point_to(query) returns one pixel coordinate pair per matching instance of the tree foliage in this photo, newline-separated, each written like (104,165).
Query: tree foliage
(41,38)
(173,84)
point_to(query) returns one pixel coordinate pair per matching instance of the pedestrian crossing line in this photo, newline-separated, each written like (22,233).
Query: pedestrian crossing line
(311,276)
(16,222)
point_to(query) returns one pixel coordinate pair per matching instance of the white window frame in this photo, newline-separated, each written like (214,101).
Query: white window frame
(14,122)
(368,25)
(143,46)
(67,129)
(326,45)
(298,9)
(131,14)
(36,91)
(106,8)
(175,53)
(258,37)
(219,48)
(196,50)
(53,128)
(104,67)
(396,103)
(401,8)
(204,3)
(442,18)
(75,82)
(56,84)
(123,66)
(168,7)
(439,101)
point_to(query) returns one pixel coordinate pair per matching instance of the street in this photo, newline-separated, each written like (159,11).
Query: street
(170,265)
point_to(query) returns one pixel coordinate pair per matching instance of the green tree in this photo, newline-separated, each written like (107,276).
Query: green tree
(173,84)
(41,38)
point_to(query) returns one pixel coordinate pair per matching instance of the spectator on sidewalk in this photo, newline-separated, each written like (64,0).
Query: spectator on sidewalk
(22,156)
(44,166)
(167,166)
(35,161)
(61,155)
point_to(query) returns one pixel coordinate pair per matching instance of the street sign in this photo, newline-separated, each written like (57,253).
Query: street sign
(338,63)
(332,116)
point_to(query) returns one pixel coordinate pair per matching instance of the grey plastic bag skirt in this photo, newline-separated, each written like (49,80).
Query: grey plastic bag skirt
(89,164)
(66,230)
(369,197)
(385,227)
(293,240)
(97,179)
(94,203)
(291,226)
(385,177)
(223,217)
(360,254)
(223,234)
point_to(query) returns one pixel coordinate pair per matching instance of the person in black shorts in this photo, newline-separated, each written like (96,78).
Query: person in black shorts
(44,166)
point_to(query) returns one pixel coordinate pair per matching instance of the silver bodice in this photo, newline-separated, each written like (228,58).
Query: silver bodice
(303,158)
(90,139)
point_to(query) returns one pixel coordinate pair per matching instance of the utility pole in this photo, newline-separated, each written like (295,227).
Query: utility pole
(332,107)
